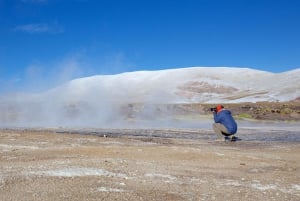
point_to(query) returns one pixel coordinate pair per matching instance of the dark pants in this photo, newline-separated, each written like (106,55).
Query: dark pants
(221,130)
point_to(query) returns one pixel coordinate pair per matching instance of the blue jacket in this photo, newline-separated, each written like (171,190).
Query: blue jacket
(224,117)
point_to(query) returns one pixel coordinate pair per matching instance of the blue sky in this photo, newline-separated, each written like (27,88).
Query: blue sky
(47,42)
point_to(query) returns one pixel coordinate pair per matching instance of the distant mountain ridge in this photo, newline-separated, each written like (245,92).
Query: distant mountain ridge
(185,85)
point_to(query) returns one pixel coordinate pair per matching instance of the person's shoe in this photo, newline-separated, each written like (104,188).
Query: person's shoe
(233,139)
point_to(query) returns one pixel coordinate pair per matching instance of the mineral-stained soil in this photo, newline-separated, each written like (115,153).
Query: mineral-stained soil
(47,165)
(278,111)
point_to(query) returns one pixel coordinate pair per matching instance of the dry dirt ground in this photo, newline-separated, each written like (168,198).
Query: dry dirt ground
(44,165)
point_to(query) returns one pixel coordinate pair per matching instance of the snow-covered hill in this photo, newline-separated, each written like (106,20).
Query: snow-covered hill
(198,84)
(106,100)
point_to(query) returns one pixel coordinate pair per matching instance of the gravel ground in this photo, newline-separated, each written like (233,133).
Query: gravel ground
(147,165)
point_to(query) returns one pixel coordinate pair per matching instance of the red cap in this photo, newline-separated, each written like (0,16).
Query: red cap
(219,107)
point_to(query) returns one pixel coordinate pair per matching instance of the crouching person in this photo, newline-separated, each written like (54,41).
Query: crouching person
(225,125)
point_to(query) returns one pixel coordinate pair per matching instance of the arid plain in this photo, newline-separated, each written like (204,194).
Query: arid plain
(157,163)
(108,165)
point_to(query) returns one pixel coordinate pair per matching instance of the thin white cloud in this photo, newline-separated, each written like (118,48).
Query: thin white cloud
(39,28)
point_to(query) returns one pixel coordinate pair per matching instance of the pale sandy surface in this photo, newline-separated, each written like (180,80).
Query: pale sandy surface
(44,165)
